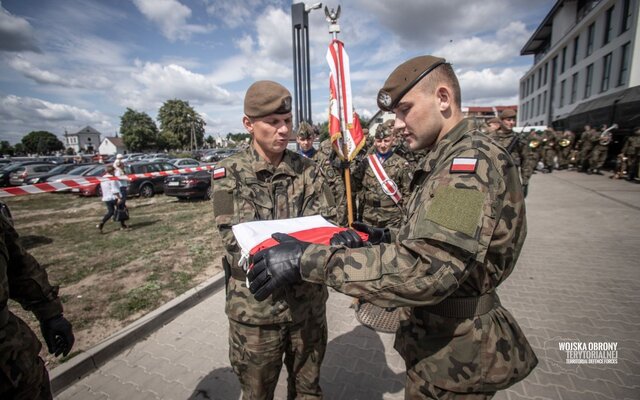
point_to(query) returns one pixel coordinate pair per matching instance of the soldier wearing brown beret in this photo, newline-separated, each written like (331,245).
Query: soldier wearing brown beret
(518,148)
(493,125)
(264,182)
(464,228)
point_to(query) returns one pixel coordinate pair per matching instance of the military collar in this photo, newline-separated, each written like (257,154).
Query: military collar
(260,164)
(443,146)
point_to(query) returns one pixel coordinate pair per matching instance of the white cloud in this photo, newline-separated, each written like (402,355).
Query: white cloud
(16,34)
(24,114)
(488,84)
(156,83)
(171,16)
(39,75)
(235,13)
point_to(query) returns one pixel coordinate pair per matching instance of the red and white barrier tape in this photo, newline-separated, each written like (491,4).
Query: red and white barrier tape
(80,182)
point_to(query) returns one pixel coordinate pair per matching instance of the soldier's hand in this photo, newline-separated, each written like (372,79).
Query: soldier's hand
(376,235)
(277,266)
(58,334)
(348,238)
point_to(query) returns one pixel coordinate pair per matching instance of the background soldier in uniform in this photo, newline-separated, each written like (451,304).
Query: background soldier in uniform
(264,182)
(23,375)
(378,208)
(548,150)
(507,138)
(587,140)
(492,125)
(566,141)
(631,150)
(465,228)
(600,142)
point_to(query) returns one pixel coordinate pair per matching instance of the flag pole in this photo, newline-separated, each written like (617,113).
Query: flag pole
(334,29)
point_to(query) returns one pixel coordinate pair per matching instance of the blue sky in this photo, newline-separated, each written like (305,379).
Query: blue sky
(65,64)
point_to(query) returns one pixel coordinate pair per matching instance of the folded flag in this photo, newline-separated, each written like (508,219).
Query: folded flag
(255,236)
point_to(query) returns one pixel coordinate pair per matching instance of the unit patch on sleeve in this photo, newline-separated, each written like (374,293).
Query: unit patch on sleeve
(219,173)
(464,165)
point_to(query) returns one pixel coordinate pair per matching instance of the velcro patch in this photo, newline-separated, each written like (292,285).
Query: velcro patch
(219,173)
(457,209)
(464,165)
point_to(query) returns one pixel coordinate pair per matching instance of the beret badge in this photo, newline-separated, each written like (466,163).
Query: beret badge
(384,99)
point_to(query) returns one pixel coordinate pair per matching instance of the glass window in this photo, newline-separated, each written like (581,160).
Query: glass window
(544,101)
(533,106)
(539,77)
(626,16)
(587,83)
(606,73)
(538,108)
(574,88)
(624,65)
(546,68)
(563,61)
(562,87)
(590,33)
(607,26)
(576,46)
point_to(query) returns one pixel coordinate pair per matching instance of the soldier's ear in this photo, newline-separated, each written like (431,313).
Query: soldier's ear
(248,124)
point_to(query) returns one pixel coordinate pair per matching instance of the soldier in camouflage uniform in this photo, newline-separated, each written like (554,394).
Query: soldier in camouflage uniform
(265,182)
(599,151)
(548,150)
(402,149)
(22,371)
(587,140)
(631,150)
(329,166)
(379,209)
(566,141)
(507,138)
(464,232)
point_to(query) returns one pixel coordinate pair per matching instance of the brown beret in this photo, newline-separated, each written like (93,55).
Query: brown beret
(494,120)
(403,78)
(305,131)
(508,113)
(265,98)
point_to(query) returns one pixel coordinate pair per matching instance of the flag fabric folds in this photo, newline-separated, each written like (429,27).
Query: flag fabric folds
(344,125)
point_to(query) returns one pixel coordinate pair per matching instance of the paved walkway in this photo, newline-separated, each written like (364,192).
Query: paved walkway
(578,280)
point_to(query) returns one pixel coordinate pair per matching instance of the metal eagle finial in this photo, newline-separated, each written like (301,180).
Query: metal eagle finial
(333,15)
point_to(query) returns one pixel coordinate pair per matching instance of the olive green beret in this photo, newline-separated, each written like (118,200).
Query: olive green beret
(384,129)
(305,131)
(403,78)
(265,98)
(493,120)
(508,113)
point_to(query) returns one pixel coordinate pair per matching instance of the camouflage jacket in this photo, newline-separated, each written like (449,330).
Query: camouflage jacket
(378,208)
(325,157)
(631,147)
(251,190)
(461,238)
(519,151)
(24,280)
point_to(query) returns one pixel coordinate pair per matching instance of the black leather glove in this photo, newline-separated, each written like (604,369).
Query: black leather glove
(276,267)
(339,164)
(58,334)
(376,235)
(349,238)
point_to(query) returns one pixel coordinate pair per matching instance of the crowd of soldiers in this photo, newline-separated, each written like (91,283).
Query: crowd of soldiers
(553,149)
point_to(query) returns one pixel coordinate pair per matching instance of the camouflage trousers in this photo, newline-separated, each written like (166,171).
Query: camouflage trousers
(598,156)
(256,355)
(23,375)
(417,388)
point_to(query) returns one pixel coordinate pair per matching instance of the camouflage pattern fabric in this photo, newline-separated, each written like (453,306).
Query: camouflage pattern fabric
(254,190)
(598,152)
(325,158)
(534,155)
(412,157)
(631,150)
(22,372)
(385,213)
(461,238)
(564,153)
(519,152)
(588,139)
(549,149)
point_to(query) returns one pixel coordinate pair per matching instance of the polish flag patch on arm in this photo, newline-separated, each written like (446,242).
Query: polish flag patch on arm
(464,165)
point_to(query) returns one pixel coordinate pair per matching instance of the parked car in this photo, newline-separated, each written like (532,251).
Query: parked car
(190,185)
(60,169)
(144,187)
(215,155)
(5,173)
(184,162)
(79,170)
(20,175)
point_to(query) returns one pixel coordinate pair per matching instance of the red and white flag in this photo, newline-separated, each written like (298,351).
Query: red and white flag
(344,124)
(256,235)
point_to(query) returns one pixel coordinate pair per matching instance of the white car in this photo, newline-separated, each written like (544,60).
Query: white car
(184,162)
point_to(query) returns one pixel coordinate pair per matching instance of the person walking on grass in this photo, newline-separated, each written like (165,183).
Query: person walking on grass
(111,197)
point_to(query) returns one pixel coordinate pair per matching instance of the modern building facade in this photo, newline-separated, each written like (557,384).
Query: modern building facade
(586,66)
